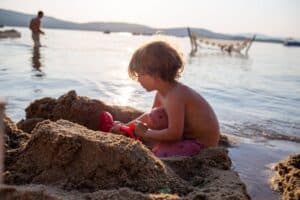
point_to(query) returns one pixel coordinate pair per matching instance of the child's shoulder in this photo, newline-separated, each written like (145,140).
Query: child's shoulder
(182,88)
(178,90)
(185,91)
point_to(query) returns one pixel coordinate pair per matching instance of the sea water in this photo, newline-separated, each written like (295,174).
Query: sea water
(256,97)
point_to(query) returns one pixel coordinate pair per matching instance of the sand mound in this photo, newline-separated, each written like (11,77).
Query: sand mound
(287,178)
(29,124)
(66,154)
(14,140)
(14,137)
(74,162)
(78,109)
(71,157)
(32,191)
(26,193)
(210,173)
(81,110)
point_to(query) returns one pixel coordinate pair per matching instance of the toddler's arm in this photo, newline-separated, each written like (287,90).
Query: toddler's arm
(143,118)
(116,128)
(173,128)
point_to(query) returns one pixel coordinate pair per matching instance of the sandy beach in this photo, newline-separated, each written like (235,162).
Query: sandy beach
(63,157)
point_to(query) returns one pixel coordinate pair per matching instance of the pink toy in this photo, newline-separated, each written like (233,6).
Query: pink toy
(158,119)
(106,123)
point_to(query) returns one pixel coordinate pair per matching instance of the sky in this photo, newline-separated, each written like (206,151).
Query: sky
(270,17)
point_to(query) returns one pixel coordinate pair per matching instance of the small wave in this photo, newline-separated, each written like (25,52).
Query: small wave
(271,130)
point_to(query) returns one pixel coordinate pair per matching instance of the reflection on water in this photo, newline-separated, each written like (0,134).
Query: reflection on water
(215,67)
(36,56)
(36,61)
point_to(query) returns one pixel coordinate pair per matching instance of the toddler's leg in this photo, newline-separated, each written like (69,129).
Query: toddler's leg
(181,148)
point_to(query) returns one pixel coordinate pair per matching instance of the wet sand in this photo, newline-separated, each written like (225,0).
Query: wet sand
(254,161)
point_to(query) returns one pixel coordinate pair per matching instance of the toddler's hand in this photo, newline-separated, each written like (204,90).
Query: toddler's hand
(140,129)
(116,128)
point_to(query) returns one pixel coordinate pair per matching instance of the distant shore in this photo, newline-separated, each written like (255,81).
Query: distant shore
(12,18)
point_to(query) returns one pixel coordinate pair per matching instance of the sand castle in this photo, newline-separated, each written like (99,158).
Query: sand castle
(61,155)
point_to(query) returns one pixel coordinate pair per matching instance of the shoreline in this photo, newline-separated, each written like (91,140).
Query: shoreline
(254,161)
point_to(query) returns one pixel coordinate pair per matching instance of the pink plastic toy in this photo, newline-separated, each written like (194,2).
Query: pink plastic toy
(106,122)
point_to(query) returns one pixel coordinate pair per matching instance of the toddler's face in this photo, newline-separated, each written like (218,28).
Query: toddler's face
(147,81)
(158,118)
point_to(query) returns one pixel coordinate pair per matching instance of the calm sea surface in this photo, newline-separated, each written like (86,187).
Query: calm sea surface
(256,98)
